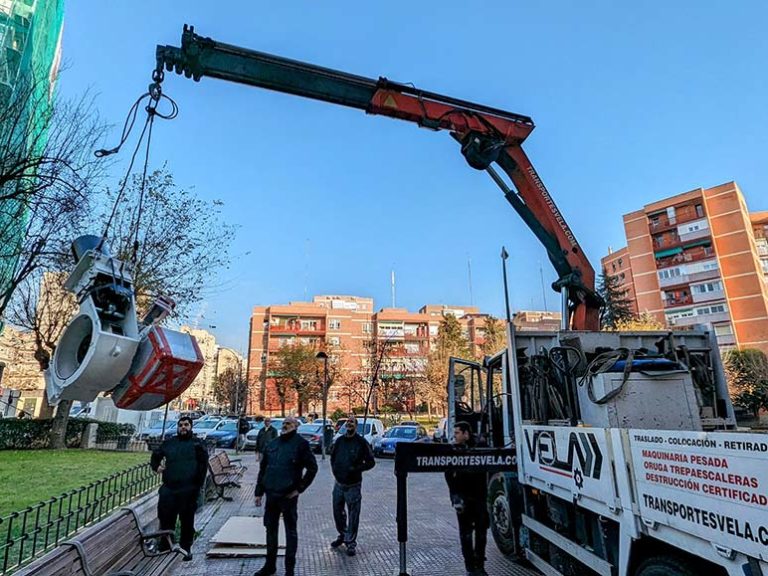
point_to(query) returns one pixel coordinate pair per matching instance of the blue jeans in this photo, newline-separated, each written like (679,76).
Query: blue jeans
(347,520)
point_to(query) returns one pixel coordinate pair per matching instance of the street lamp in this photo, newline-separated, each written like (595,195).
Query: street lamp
(324,357)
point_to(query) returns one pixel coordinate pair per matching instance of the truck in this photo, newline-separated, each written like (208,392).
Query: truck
(622,454)
(628,458)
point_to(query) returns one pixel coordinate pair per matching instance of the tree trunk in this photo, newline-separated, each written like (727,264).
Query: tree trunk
(59,427)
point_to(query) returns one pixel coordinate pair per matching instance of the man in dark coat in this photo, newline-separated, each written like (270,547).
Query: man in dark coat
(183,462)
(469,491)
(351,455)
(287,469)
(264,437)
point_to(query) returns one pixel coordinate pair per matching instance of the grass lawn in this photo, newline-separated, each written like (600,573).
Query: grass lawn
(30,476)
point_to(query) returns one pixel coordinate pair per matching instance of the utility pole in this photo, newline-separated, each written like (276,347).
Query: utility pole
(324,357)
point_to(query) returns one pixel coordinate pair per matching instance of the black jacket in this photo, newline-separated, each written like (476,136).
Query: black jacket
(465,485)
(186,462)
(287,464)
(350,457)
(264,437)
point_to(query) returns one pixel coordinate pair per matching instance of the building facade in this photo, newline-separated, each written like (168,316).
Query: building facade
(30,52)
(217,359)
(396,340)
(699,258)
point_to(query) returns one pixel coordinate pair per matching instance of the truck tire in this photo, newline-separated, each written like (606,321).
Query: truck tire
(500,512)
(666,566)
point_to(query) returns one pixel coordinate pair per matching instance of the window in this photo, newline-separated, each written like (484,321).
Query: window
(621,262)
(723,330)
(412,347)
(716,286)
(367,328)
(699,210)
(334,324)
(334,340)
(308,325)
(714,309)
(621,276)
(668,273)
(671,214)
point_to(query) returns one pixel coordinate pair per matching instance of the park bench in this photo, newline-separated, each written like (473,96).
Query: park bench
(116,546)
(232,464)
(223,477)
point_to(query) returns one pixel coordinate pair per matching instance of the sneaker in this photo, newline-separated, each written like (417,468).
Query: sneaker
(187,557)
(351,551)
(265,571)
(338,542)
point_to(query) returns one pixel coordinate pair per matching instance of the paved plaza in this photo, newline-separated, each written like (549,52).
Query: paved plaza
(433,546)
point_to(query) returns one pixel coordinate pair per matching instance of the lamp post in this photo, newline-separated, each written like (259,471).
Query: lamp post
(324,357)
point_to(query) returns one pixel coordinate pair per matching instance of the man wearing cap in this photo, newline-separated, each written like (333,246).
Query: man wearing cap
(287,469)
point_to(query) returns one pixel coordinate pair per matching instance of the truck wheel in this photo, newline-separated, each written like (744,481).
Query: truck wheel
(502,525)
(666,566)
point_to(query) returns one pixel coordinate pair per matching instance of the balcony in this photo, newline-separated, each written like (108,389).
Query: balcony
(695,235)
(709,296)
(702,319)
(682,215)
(672,301)
(317,329)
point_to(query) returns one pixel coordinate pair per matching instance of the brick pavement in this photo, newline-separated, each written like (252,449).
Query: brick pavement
(433,546)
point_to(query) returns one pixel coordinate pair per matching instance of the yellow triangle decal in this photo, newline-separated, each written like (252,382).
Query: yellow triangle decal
(389,102)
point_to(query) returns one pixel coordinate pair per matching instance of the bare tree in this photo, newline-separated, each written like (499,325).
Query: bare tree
(175,240)
(47,170)
(230,389)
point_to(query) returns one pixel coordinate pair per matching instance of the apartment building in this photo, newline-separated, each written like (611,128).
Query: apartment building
(350,326)
(217,359)
(700,258)
(343,323)
(618,265)
(534,320)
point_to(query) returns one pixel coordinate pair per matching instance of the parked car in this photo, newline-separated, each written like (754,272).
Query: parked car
(201,428)
(311,433)
(339,423)
(328,421)
(152,435)
(408,423)
(225,433)
(385,446)
(441,433)
(372,429)
(253,433)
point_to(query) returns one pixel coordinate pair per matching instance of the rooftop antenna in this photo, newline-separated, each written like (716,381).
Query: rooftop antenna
(469,277)
(543,291)
(306,269)
(392,281)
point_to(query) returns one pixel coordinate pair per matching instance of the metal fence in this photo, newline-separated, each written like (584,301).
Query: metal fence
(37,529)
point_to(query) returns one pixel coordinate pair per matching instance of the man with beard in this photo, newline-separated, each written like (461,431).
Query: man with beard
(350,457)
(287,469)
(183,462)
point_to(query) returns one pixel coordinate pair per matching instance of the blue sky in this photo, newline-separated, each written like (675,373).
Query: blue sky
(632,101)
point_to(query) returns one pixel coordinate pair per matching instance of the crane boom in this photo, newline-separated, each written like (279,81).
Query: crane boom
(487,136)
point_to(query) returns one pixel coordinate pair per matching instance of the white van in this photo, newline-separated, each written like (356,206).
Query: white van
(371,429)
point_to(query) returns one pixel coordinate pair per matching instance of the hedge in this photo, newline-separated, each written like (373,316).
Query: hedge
(35,434)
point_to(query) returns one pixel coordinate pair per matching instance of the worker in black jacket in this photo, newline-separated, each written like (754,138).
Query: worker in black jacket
(350,457)
(264,437)
(469,493)
(287,469)
(183,462)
